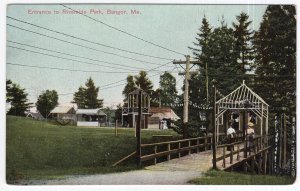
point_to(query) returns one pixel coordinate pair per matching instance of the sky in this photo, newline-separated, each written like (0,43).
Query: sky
(171,26)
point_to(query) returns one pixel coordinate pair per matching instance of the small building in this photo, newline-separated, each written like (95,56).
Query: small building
(161,117)
(63,113)
(35,115)
(91,117)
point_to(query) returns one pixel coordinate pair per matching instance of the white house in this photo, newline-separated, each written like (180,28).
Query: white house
(64,113)
(90,117)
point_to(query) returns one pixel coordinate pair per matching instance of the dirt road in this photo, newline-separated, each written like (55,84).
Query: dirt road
(176,171)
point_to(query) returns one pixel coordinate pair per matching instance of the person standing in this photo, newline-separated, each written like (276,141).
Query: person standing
(230,136)
(250,136)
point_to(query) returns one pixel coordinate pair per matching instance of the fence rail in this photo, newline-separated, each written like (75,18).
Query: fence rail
(258,144)
(175,147)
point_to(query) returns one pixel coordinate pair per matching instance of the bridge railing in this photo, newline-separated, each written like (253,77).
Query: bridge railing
(154,151)
(250,147)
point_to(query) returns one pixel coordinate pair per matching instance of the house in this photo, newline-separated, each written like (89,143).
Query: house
(63,113)
(91,117)
(35,115)
(161,117)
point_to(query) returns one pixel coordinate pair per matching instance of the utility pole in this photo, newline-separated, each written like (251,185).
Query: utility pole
(187,73)
(214,137)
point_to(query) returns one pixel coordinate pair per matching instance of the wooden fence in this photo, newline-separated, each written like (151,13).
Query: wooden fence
(166,149)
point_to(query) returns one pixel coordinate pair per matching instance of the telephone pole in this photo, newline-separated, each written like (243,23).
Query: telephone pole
(187,73)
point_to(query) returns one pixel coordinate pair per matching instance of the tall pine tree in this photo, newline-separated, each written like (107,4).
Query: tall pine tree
(243,42)
(87,97)
(17,97)
(275,44)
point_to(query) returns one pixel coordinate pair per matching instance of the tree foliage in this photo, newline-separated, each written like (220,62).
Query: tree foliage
(243,42)
(275,45)
(87,97)
(47,101)
(17,98)
(141,80)
(167,89)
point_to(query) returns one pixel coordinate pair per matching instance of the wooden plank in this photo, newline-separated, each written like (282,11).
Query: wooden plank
(245,159)
(123,159)
(164,153)
(171,142)
(227,155)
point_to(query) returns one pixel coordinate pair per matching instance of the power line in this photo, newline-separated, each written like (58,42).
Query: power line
(122,31)
(142,61)
(82,39)
(72,70)
(69,59)
(146,71)
(96,60)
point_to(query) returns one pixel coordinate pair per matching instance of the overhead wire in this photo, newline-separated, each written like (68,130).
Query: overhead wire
(69,59)
(59,52)
(122,31)
(83,46)
(89,41)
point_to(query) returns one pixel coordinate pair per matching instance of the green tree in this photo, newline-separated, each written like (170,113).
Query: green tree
(275,45)
(130,86)
(223,65)
(142,81)
(202,52)
(79,97)
(167,90)
(8,89)
(46,102)
(17,97)
(87,97)
(243,41)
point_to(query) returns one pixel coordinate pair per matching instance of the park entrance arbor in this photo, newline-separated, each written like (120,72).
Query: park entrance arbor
(243,100)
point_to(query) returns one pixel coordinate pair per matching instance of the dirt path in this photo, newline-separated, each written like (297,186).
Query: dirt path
(176,171)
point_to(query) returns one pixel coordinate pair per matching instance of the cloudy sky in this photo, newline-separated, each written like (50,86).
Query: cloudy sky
(39,59)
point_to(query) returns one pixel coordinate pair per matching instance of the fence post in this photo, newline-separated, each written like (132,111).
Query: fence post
(224,165)
(169,148)
(231,154)
(116,128)
(155,151)
(238,152)
(189,147)
(198,145)
(245,148)
(179,150)
(205,143)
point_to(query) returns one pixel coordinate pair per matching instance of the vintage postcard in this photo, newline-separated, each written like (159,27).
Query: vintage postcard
(150,94)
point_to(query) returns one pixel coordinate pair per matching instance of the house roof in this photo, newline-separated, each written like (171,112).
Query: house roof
(35,115)
(97,111)
(63,109)
(163,112)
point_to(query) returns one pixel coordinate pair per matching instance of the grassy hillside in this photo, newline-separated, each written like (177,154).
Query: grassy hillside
(37,149)
(213,177)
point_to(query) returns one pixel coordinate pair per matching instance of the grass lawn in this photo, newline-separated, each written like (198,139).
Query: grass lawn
(40,150)
(213,177)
